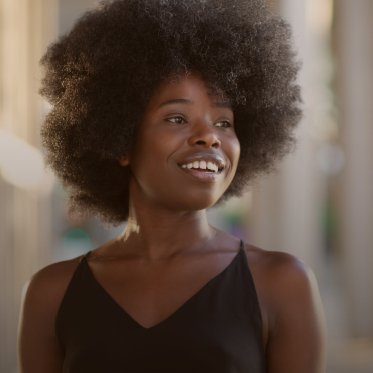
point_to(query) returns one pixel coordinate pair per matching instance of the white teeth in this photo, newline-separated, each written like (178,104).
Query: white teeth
(202,165)
(212,167)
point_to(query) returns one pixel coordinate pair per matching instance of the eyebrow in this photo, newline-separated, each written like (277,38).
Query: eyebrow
(176,101)
(222,104)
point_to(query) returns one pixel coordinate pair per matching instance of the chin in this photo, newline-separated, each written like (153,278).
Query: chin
(201,206)
(198,203)
(189,200)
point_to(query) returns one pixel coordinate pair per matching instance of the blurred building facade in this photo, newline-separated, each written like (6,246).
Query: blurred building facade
(318,205)
(25,231)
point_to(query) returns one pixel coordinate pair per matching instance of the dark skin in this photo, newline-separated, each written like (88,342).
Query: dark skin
(168,251)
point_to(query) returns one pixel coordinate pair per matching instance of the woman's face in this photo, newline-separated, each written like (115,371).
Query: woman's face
(186,150)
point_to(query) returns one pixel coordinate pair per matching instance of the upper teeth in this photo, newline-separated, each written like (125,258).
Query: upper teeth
(203,165)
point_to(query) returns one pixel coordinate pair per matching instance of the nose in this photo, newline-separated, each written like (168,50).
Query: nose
(205,136)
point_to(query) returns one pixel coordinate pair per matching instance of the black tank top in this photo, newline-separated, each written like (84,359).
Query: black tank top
(218,330)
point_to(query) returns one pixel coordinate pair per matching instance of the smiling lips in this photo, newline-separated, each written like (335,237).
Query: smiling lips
(203,166)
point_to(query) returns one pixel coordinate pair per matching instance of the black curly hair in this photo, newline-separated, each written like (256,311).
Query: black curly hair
(100,76)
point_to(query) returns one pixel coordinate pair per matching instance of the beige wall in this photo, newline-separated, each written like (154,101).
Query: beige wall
(25,29)
(354,42)
(286,204)
(333,163)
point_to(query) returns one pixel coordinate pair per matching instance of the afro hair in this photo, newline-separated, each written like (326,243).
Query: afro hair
(100,76)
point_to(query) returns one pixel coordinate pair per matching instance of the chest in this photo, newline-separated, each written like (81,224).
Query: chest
(151,294)
(215,327)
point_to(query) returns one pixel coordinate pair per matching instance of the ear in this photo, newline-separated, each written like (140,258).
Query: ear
(124,160)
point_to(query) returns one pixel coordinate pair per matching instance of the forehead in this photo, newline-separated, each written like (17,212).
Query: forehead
(188,86)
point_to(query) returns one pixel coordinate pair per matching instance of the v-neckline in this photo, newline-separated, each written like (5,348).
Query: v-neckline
(173,314)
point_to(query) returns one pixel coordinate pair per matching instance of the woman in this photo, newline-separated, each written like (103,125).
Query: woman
(160,110)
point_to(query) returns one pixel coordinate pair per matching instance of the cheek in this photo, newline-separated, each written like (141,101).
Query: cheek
(149,161)
(233,150)
(237,149)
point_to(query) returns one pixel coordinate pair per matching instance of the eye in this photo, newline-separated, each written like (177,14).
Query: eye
(224,124)
(177,119)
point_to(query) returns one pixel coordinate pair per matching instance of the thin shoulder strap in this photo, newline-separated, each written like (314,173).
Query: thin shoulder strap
(247,272)
(84,256)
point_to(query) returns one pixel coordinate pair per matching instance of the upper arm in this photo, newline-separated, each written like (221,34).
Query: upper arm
(38,347)
(296,333)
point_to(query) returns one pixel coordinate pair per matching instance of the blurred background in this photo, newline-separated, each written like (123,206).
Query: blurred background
(318,205)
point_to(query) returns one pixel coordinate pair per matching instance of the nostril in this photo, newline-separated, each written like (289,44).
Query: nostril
(212,144)
(210,141)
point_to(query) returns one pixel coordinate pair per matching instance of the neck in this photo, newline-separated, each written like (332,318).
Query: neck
(161,234)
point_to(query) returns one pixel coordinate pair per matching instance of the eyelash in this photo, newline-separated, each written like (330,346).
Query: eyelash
(170,119)
(227,124)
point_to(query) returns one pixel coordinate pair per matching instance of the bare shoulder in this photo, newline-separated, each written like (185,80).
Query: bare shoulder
(282,281)
(38,347)
(52,281)
(293,321)
(278,271)
(44,292)
(272,260)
